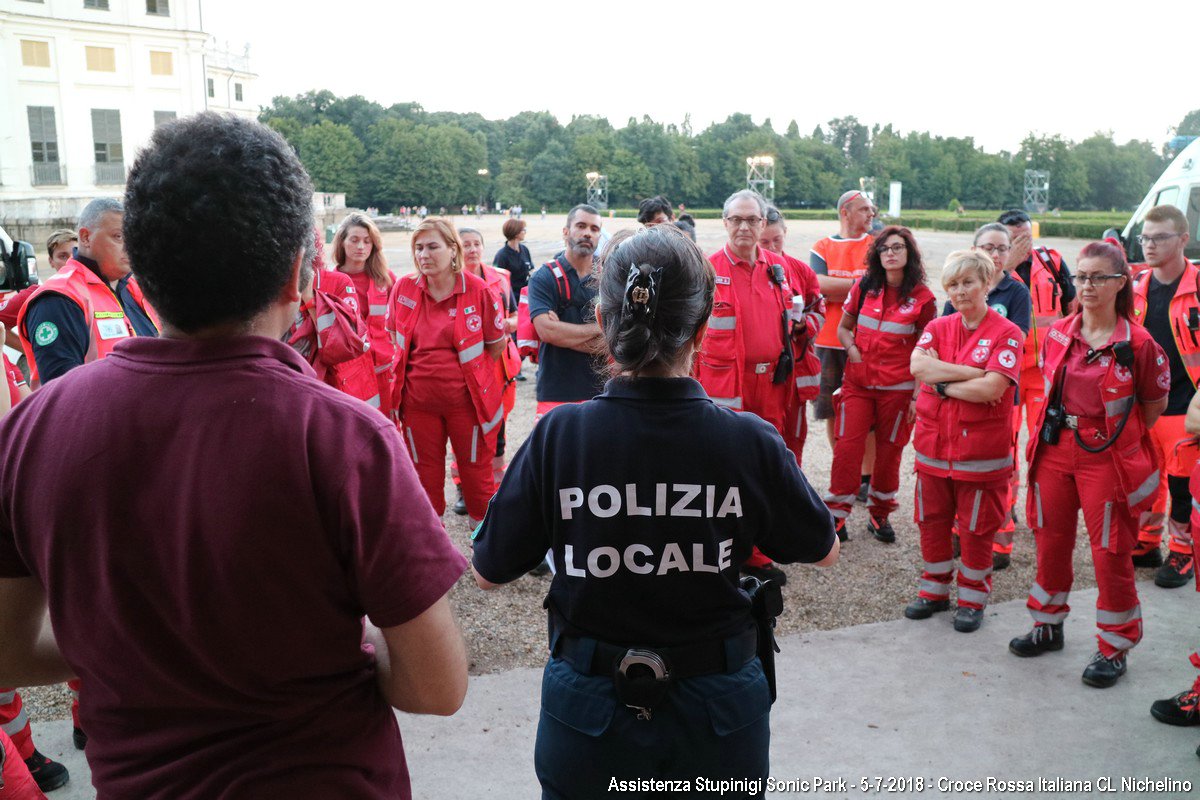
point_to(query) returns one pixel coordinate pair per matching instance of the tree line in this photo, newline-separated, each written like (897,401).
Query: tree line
(404,155)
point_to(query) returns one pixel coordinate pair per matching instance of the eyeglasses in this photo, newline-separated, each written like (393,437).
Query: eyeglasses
(1097,280)
(897,249)
(1162,238)
(738,222)
(1002,249)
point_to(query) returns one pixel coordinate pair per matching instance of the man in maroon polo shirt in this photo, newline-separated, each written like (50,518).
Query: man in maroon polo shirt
(207,523)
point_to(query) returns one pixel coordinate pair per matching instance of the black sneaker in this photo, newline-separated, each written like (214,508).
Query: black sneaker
(839,527)
(967,620)
(521,378)
(881,529)
(1178,570)
(924,608)
(767,572)
(1147,556)
(79,738)
(47,774)
(861,497)
(460,504)
(1042,639)
(1183,709)
(1103,672)
(1000,561)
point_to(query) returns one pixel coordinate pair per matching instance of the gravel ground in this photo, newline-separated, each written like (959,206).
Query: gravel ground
(872,582)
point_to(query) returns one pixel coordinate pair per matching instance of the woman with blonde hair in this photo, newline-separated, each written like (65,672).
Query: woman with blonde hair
(448,331)
(358,253)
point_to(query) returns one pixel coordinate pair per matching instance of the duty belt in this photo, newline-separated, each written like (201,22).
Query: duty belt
(593,657)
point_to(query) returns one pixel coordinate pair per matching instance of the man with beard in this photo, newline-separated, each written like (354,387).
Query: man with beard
(561,296)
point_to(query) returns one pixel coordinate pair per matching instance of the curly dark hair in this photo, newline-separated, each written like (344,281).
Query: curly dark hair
(914,268)
(216,210)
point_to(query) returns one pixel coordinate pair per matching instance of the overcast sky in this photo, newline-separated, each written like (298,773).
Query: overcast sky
(989,70)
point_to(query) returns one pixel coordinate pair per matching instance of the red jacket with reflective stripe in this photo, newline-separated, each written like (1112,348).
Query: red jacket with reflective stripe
(408,297)
(333,338)
(807,374)
(508,366)
(377,301)
(1187,297)
(1046,296)
(969,441)
(1133,456)
(106,320)
(886,336)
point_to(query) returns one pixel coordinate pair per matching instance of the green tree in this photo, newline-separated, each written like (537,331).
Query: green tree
(512,182)
(1189,125)
(1068,177)
(333,156)
(289,128)
(630,180)
(552,180)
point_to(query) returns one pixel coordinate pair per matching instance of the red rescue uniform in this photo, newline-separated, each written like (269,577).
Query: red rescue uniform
(1048,307)
(333,338)
(446,383)
(876,394)
(372,303)
(964,458)
(1168,437)
(1111,487)
(807,370)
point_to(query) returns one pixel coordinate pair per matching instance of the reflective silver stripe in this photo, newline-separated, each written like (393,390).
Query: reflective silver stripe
(7,697)
(807,380)
(527,342)
(727,402)
(382,368)
(975,509)
(898,328)
(1118,617)
(896,427)
(494,421)
(471,353)
(1045,598)
(972,595)
(985,465)
(1118,642)
(838,498)
(326,321)
(799,421)
(1037,500)
(1115,408)
(412,446)
(722,323)
(398,340)
(974,574)
(934,588)
(1195,506)
(474,442)
(1190,359)
(556,271)
(870,323)
(841,420)
(16,724)
(1148,487)
(1107,529)
(840,513)
(907,386)
(820,318)
(1048,619)
(920,502)
(373,402)
(882,495)
(936,463)
(1046,321)
(377,310)
(939,567)
(524,299)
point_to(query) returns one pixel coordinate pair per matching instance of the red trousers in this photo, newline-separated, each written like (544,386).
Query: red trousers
(770,401)
(857,413)
(15,781)
(975,508)
(427,432)
(1063,479)
(15,722)
(1176,457)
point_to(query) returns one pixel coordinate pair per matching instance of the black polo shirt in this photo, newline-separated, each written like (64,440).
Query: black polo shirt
(565,375)
(650,497)
(519,264)
(1158,323)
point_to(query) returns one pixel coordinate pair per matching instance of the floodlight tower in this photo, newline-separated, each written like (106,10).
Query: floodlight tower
(1037,191)
(597,190)
(867,187)
(760,176)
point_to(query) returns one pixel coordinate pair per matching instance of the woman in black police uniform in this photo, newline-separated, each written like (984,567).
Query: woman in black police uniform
(650,497)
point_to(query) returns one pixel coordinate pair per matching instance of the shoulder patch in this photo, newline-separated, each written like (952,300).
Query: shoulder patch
(1013,343)
(723,280)
(1059,336)
(406,301)
(45,334)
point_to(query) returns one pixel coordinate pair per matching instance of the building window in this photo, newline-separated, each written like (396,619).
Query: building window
(35,54)
(237,92)
(161,63)
(43,140)
(163,116)
(211,92)
(101,59)
(159,8)
(101,5)
(106,137)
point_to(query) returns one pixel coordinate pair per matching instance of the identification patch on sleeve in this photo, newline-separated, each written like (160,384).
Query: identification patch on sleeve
(45,334)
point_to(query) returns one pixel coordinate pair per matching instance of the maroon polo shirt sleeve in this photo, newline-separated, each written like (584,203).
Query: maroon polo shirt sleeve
(400,557)
(1152,371)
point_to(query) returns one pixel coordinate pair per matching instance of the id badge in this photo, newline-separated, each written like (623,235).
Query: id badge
(112,328)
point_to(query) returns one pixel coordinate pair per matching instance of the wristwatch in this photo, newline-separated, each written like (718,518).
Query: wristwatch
(941,388)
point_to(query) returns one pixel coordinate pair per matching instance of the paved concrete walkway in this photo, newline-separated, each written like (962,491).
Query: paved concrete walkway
(890,701)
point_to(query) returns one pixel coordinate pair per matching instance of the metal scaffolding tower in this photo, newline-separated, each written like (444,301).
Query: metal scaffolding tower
(1037,191)
(597,190)
(760,176)
(867,187)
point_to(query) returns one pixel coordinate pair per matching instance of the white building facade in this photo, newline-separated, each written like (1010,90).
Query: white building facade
(83,83)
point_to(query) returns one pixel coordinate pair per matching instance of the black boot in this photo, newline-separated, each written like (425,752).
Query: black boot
(1042,639)
(1102,671)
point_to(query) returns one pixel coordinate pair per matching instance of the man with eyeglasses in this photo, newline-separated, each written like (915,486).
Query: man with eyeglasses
(1166,299)
(839,261)
(748,355)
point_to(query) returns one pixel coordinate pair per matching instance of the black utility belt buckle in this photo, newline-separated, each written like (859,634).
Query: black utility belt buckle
(642,681)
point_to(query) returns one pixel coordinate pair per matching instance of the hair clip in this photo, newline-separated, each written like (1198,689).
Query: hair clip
(641,291)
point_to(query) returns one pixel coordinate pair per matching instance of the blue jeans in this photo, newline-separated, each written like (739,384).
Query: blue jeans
(714,726)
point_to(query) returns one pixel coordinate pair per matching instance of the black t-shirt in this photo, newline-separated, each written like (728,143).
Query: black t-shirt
(565,375)
(1158,322)
(518,262)
(650,497)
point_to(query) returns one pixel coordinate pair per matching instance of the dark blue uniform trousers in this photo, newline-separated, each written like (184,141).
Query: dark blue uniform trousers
(713,726)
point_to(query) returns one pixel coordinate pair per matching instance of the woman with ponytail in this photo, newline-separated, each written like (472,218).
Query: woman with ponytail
(650,497)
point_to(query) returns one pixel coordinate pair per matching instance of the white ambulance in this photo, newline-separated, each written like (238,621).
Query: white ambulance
(1178,186)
